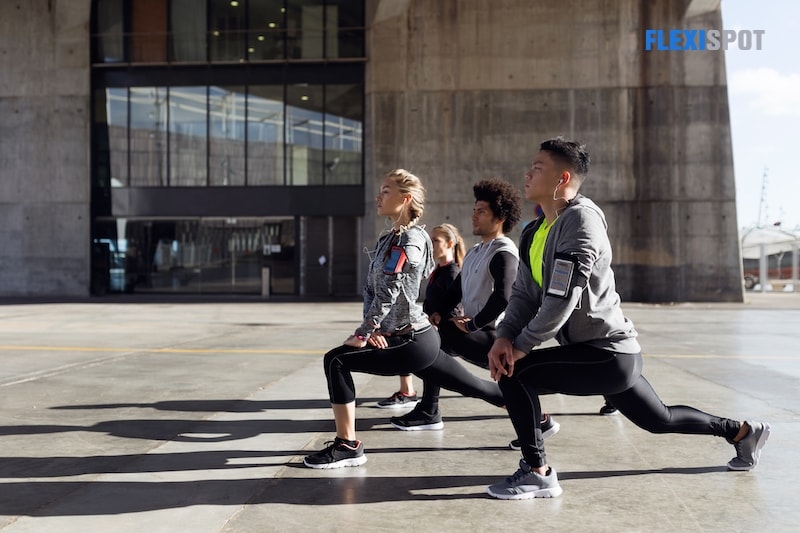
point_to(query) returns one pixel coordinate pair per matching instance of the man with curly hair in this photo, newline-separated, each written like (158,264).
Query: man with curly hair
(483,288)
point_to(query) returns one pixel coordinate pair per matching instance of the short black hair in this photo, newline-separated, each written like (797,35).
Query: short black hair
(503,198)
(570,153)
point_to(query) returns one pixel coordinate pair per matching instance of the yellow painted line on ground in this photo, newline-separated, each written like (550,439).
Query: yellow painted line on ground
(11,348)
(152,350)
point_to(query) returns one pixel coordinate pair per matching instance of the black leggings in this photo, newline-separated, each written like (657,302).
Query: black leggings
(405,354)
(583,370)
(446,372)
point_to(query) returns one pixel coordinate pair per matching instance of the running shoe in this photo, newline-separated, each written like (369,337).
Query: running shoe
(337,454)
(549,428)
(608,409)
(748,450)
(525,484)
(398,400)
(418,420)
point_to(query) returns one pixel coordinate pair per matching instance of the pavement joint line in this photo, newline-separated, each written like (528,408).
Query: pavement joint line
(158,350)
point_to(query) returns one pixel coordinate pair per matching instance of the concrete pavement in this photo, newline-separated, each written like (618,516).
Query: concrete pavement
(125,416)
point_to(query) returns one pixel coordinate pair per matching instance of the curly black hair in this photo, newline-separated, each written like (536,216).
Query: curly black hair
(503,198)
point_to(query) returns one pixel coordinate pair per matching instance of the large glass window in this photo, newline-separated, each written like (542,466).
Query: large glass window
(188,19)
(188,136)
(227,30)
(149,31)
(343,126)
(110,32)
(226,25)
(265,127)
(226,146)
(267,30)
(148,136)
(304,134)
(116,114)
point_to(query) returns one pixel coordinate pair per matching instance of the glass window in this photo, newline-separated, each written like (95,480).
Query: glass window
(267,23)
(226,107)
(226,25)
(188,19)
(305,28)
(149,31)
(304,134)
(349,28)
(109,16)
(116,114)
(343,134)
(148,136)
(188,136)
(265,127)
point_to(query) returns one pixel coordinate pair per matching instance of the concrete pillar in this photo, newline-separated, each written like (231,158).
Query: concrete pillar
(460,90)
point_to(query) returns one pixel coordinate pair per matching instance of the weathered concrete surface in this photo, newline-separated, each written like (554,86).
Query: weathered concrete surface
(461,90)
(195,417)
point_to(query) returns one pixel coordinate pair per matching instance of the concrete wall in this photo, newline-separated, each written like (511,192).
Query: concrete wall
(44,148)
(459,90)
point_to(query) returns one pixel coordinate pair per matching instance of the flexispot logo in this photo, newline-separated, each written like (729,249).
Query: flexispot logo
(703,39)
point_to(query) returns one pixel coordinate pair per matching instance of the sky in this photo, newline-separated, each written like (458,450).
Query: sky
(764,99)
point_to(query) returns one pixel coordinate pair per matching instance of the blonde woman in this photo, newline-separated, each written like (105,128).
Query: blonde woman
(395,336)
(448,250)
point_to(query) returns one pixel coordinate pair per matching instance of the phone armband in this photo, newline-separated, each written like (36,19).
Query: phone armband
(397,258)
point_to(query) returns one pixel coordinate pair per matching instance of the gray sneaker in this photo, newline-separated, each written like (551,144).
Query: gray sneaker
(549,428)
(526,484)
(748,450)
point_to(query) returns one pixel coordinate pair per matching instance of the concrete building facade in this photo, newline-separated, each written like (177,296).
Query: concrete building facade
(455,91)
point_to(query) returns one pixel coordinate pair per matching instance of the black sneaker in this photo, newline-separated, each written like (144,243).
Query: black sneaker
(399,400)
(608,409)
(337,455)
(418,420)
(549,428)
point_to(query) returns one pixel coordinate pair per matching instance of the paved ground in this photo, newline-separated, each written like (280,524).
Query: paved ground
(195,417)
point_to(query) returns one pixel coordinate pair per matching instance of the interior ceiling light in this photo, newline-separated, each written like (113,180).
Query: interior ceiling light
(304,97)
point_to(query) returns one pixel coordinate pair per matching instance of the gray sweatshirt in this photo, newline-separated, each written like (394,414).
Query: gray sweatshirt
(577,302)
(396,270)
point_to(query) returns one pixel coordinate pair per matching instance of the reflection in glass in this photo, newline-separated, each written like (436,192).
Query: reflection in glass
(350,29)
(188,136)
(265,128)
(148,136)
(117,121)
(304,134)
(226,107)
(226,25)
(205,255)
(188,21)
(343,134)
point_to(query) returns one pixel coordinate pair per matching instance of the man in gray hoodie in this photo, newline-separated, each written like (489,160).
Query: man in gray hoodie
(565,290)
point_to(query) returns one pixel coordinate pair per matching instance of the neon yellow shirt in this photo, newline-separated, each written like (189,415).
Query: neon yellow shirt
(537,251)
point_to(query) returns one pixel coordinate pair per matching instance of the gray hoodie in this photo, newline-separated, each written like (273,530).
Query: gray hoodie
(577,302)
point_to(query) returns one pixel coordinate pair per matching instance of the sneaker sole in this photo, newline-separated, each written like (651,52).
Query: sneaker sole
(762,440)
(411,404)
(545,435)
(612,413)
(551,492)
(423,427)
(354,461)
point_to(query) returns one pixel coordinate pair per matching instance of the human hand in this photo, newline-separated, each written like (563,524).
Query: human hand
(461,322)
(354,341)
(435,318)
(501,358)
